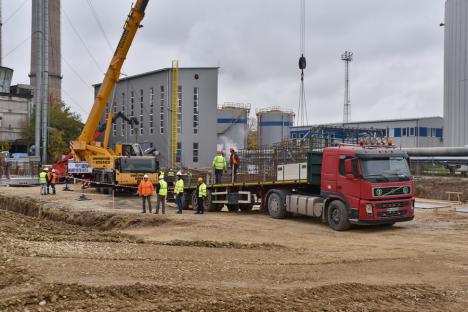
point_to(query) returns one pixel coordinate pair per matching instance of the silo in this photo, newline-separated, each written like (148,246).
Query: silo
(6,74)
(233,125)
(273,125)
(456,73)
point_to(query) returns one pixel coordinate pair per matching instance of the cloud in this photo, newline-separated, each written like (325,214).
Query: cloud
(398,46)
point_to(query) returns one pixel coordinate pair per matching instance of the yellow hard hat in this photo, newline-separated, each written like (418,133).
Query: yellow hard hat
(200,179)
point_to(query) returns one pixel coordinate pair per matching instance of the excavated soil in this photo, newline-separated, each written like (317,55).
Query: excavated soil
(60,254)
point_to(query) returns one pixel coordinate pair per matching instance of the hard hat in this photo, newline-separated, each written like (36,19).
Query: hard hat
(179,173)
(53,170)
(232,149)
(46,169)
(145,176)
(161,177)
(200,179)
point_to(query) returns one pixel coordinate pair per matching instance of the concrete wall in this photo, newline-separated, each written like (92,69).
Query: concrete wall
(158,110)
(456,73)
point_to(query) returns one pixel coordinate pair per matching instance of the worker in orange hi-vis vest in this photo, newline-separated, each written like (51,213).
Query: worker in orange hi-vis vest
(146,190)
(53,181)
(234,162)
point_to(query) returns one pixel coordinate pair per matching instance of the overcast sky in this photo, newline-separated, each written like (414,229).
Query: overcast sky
(397,69)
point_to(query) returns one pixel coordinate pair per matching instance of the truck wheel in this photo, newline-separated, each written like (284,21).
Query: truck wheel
(185,201)
(209,206)
(107,180)
(338,216)
(277,206)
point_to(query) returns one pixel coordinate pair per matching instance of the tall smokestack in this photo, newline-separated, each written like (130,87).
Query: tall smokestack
(55,50)
(1,37)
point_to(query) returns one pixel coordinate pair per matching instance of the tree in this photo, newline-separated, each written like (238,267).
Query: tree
(65,126)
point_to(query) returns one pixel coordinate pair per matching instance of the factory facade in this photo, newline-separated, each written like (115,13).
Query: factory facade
(147,98)
(409,132)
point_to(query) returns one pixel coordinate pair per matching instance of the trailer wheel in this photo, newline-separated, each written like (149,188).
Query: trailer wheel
(209,206)
(338,216)
(185,201)
(232,207)
(277,206)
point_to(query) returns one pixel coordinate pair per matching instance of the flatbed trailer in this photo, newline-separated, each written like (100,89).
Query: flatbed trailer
(345,185)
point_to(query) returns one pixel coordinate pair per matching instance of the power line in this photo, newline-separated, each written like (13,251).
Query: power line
(14,13)
(82,41)
(96,17)
(83,110)
(17,47)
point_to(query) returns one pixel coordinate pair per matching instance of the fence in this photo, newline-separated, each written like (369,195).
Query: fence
(20,171)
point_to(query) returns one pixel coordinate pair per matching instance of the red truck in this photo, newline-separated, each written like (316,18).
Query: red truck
(341,185)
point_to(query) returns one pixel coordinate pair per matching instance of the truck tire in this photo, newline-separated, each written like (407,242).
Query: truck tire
(277,205)
(209,206)
(232,207)
(107,180)
(338,216)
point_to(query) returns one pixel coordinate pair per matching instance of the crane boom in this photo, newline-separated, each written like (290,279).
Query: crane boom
(113,72)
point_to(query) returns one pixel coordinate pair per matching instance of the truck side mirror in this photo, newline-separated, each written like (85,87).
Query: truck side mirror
(357,172)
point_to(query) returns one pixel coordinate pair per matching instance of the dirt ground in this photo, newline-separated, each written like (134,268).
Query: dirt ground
(60,254)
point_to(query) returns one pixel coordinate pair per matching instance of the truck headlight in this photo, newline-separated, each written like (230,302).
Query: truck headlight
(369,210)
(412,206)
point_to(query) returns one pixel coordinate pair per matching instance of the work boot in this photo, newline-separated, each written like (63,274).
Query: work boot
(143,211)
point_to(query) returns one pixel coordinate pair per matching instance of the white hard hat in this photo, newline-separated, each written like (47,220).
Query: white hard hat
(46,169)
(53,170)
(161,177)
(179,173)
(145,176)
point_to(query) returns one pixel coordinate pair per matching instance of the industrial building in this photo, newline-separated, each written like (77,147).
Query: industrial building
(410,132)
(147,98)
(233,126)
(456,73)
(15,111)
(273,125)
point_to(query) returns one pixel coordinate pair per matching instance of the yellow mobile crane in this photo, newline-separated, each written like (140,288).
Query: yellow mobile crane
(126,165)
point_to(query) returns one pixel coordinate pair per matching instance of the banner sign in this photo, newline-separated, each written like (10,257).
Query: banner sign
(77,167)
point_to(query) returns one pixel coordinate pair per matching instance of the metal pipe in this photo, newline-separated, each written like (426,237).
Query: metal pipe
(45,80)
(436,151)
(37,5)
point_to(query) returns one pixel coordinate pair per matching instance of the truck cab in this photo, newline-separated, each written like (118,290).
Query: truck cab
(366,185)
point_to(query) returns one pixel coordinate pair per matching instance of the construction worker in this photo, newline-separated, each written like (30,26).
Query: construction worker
(179,191)
(219,165)
(49,176)
(201,195)
(146,190)
(234,162)
(43,181)
(53,181)
(161,189)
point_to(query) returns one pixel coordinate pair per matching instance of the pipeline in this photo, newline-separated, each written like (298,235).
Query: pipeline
(437,151)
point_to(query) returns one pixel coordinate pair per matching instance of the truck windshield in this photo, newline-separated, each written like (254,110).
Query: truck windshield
(138,165)
(391,169)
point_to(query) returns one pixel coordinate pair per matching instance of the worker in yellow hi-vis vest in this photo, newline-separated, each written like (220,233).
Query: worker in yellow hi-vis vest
(201,195)
(219,166)
(161,189)
(179,192)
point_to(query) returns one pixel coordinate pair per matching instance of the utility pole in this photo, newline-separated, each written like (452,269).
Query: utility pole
(45,79)
(347,57)
(1,26)
(38,34)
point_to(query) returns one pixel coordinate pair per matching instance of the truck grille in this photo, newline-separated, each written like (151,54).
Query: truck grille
(392,205)
(387,214)
(391,191)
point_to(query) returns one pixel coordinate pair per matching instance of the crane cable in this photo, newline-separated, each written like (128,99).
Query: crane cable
(302,108)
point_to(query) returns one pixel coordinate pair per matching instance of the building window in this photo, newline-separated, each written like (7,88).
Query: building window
(195,152)
(114,130)
(411,131)
(404,132)
(179,112)
(123,130)
(141,124)
(123,102)
(161,109)
(179,152)
(151,124)
(132,130)
(132,103)
(151,101)
(196,109)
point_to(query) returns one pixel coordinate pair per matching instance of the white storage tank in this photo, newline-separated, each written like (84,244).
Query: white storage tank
(456,73)
(273,125)
(232,125)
